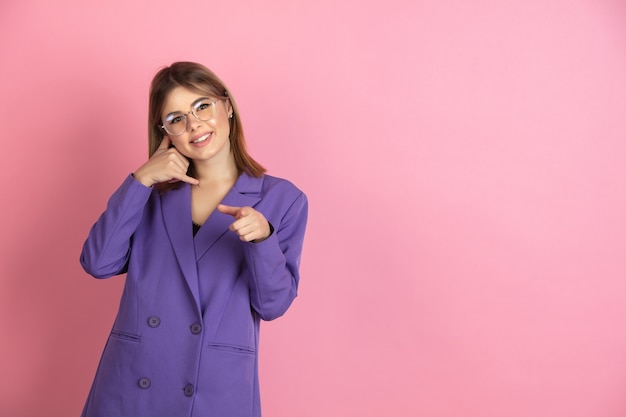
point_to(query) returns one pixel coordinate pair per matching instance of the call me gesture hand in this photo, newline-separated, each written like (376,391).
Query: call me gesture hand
(165,165)
(249,224)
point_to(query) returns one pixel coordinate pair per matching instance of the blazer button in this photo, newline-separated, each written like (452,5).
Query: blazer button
(188,390)
(144,383)
(154,321)
(196,328)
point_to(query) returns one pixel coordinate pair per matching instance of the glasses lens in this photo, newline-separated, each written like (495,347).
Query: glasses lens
(175,124)
(204,110)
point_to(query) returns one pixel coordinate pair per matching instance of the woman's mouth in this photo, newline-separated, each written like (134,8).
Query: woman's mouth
(202,138)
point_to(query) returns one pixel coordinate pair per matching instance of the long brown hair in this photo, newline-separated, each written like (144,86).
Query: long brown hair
(196,77)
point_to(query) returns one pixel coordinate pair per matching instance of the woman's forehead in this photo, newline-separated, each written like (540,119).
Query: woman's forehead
(181,98)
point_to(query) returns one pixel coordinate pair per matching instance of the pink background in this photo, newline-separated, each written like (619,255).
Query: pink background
(464,162)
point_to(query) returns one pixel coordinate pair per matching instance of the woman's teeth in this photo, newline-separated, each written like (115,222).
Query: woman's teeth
(202,138)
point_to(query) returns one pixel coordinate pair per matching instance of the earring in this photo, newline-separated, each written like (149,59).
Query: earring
(230,116)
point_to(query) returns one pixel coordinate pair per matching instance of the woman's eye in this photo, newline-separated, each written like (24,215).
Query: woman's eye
(202,106)
(175,120)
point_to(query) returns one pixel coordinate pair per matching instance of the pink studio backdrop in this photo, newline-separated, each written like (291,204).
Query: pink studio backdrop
(464,162)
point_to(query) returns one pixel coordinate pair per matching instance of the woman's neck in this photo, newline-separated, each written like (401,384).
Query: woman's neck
(214,172)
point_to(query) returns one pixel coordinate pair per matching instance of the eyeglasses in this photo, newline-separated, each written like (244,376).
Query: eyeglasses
(175,124)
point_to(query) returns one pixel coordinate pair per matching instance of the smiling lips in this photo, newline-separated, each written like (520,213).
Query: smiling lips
(202,138)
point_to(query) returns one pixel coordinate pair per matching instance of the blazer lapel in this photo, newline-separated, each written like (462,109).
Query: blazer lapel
(245,192)
(177,218)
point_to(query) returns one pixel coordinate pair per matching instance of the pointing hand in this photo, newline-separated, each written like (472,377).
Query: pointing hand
(249,224)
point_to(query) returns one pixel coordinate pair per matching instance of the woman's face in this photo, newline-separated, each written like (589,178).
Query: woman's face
(204,138)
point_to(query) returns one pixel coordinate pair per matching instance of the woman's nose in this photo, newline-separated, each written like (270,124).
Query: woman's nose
(193,123)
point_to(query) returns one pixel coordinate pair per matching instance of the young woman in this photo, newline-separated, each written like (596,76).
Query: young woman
(210,244)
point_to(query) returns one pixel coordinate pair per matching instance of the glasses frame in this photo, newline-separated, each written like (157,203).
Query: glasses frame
(185,116)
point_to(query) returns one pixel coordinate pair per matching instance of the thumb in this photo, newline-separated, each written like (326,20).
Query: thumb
(232,210)
(165,143)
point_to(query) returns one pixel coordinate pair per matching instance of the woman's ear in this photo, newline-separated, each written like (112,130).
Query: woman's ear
(229,108)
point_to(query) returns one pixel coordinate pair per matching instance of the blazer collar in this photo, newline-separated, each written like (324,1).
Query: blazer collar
(176,205)
(247,185)
(177,218)
(245,192)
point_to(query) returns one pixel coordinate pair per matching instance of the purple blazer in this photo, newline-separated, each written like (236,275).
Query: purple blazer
(186,336)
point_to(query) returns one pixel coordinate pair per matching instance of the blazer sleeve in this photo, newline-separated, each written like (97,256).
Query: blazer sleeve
(275,263)
(107,249)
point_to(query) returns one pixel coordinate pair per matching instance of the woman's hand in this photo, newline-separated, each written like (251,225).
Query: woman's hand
(166,164)
(249,224)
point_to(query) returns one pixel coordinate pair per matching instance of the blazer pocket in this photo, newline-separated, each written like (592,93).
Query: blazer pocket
(125,336)
(231,348)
